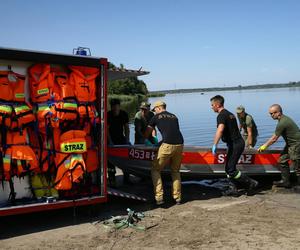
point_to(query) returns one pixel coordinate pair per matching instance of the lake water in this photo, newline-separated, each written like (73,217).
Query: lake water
(198,121)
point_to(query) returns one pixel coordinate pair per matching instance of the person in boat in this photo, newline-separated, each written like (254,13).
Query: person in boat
(289,130)
(228,131)
(118,134)
(248,126)
(170,151)
(141,121)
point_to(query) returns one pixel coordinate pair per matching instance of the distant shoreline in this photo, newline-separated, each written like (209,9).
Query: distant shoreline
(239,87)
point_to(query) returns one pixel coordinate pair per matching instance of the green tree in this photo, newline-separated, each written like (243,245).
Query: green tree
(127,86)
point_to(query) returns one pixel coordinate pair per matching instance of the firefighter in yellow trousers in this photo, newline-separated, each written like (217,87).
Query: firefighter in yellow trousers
(170,151)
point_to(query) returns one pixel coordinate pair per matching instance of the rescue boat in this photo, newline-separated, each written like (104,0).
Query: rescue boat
(197,162)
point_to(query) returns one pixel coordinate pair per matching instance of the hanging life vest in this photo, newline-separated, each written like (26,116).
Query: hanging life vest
(92,163)
(41,83)
(70,169)
(46,116)
(5,115)
(63,86)
(18,158)
(12,86)
(66,111)
(16,116)
(83,79)
(73,141)
(22,117)
(70,162)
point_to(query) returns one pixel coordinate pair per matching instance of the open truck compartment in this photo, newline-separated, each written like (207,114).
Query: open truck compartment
(53,130)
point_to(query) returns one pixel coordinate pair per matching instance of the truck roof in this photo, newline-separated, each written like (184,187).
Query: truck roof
(67,59)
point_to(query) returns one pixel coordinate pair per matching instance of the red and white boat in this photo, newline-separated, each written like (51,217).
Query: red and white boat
(197,162)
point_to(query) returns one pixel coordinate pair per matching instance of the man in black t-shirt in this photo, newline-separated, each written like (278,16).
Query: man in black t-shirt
(118,134)
(170,151)
(228,131)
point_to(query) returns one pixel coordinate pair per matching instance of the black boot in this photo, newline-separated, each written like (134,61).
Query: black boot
(248,183)
(285,179)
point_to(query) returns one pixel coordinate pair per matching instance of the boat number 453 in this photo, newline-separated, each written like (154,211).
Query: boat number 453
(141,154)
(244,159)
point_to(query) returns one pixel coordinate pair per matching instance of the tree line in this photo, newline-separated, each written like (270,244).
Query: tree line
(127,86)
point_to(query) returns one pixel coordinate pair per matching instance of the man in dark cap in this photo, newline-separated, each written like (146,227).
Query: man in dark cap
(247,124)
(141,121)
(170,151)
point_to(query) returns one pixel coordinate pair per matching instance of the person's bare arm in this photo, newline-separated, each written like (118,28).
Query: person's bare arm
(250,137)
(219,133)
(268,143)
(271,141)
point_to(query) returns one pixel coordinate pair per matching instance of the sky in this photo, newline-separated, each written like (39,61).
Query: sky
(183,43)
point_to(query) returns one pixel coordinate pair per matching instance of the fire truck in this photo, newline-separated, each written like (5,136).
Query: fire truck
(53,129)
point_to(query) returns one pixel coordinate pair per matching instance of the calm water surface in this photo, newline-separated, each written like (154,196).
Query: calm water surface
(198,121)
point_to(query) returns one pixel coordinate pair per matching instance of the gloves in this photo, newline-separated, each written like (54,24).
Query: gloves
(262,148)
(214,149)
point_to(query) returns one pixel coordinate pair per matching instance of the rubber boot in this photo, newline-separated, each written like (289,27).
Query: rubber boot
(248,183)
(285,179)
(232,189)
(297,186)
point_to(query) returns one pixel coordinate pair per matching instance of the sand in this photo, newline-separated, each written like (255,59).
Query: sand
(206,220)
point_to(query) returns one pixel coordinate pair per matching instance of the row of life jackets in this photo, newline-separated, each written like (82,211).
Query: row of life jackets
(47,83)
(59,98)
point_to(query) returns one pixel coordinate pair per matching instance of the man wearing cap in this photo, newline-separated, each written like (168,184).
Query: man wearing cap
(170,151)
(141,121)
(248,126)
(228,131)
(289,130)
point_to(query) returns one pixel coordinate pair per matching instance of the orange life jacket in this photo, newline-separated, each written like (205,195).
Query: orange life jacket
(66,111)
(73,141)
(23,116)
(12,90)
(18,158)
(83,80)
(5,115)
(61,80)
(70,169)
(41,83)
(70,162)
(87,111)
(15,115)
(91,161)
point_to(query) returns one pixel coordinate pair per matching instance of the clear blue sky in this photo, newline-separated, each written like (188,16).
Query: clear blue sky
(185,44)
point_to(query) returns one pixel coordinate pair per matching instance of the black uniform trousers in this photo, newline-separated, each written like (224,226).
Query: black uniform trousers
(234,152)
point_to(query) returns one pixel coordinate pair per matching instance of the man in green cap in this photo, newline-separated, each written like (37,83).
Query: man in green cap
(289,130)
(141,121)
(247,124)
